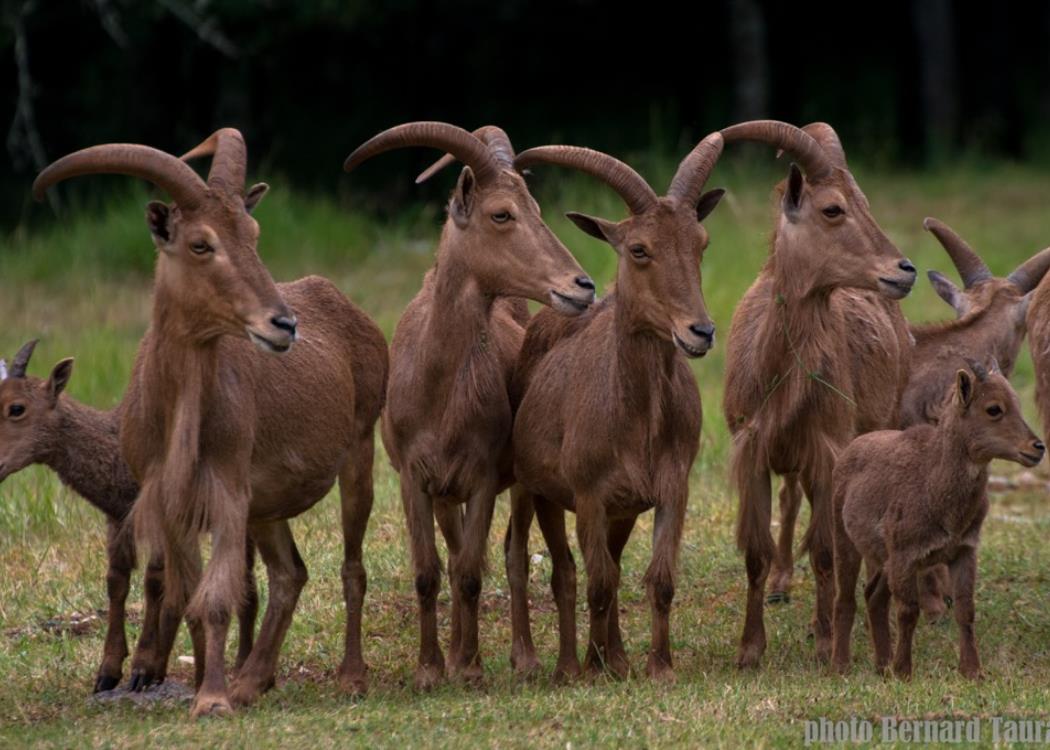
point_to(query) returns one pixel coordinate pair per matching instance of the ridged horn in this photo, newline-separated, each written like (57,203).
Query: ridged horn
(457,141)
(828,139)
(628,184)
(1027,276)
(229,159)
(968,263)
(695,169)
(185,187)
(492,136)
(20,363)
(800,145)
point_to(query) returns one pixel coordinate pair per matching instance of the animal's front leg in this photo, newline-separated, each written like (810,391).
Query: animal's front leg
(121,553)
(467,568)
(602,576)
(419,514)
(964,578)
(756,541)
(450,521)
(516,558)
(563,585)
(779,584)
(356,496)
(821,557)
(660,581)
(903,583)
(619,533)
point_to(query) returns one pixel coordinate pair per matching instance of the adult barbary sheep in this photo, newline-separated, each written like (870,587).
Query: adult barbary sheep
(228,440)
(909,500)
(40,424)
(447,424)
(817,353)
(609,420)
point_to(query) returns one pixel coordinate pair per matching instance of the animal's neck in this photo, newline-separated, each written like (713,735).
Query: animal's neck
(957,476)
(457,325)
(644,360)
(87,458)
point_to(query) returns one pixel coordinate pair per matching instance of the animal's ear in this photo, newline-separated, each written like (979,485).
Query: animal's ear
(947,291)
(793,194)
(158,219)
(707,203)
(963,388)
(1022,308)
(59,379)
(254,195)
(600,229)
(463,198)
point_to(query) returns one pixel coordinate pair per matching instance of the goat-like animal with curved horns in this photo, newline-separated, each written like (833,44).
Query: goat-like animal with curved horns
(224,439)
(609,417)
(818,352)
(447,423)
(41,424)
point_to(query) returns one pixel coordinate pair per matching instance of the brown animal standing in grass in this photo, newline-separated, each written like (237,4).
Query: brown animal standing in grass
(990,323)
(609,417)
(909,500)
(817,353)
(447,424)
(40,424)
(228,440)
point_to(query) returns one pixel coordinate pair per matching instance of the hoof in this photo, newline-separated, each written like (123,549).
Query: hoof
(567,672)
(619,666)
(429,676)
(140,680)
(245,692)
(210,705)
(660,672)
(524,663)
(470,674)
(972,673)
(823,651)
(354,684)
(105,682)
(778,597)
(949,602)
(749,657)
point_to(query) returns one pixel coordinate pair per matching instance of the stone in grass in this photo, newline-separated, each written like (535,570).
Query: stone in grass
(168,691)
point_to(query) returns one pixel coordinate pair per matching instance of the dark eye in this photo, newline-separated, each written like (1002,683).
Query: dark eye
(638,252)
(15,410)
(200,247)
(994,410)
(832,211)
(501,217)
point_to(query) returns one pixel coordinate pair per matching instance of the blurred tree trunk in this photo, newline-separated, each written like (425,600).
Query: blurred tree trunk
(938,93)
(747,33)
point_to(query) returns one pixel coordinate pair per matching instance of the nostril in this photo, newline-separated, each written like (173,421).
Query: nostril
(703,330)
(1038,445)
(584,282)
(906,266)
(284,323)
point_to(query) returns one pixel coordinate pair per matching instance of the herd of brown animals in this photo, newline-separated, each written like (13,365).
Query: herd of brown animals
(588,407)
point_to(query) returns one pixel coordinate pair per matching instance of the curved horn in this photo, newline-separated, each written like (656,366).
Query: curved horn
(492,136)
(1027,276)
(229,159)
(694,170)
(967,262)
(21,360)
(630,186)
(800,145)
(177,178)
(457,141)
(828,139)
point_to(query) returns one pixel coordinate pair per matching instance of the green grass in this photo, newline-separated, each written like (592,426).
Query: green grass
(83,286)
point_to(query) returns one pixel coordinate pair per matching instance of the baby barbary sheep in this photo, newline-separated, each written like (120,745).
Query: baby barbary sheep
(907,500)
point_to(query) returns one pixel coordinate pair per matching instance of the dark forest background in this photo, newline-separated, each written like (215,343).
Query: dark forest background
(912,84)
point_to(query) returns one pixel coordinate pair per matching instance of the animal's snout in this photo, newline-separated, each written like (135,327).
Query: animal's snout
(1038,447)
(286,323)
(907,266)
(703,330)
(584,282)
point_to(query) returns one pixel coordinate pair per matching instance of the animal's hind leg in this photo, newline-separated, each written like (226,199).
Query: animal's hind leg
(563,585)
(819,541)
(356,496)
(935,592)
(419,514)
(877,601)
(249,607)
(160,624)
(779,584)
(450,521)
(616,657)
(516,558)
(847,568)
(964,575)
(120,551)
(286,575)
(754,537)
(467,569)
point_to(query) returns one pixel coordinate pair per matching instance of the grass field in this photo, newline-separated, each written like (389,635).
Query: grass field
(82,285)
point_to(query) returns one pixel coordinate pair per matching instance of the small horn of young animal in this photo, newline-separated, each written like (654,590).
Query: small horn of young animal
(463,145)
(1027,276)
(800,145)
(21,361)
(968,263)
(492,136)
(627,183)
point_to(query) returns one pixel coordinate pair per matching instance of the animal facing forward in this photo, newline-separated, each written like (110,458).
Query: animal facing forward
(906,501)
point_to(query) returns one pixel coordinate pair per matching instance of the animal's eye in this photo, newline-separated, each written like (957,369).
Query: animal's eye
(501,217)
(994,410)
(15,410)
(200,247)
(638,252)
(832,211)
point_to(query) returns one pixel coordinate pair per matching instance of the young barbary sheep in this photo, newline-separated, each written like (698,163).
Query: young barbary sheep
(225,439)
(909,500)
(447,423)
(609,418)
(41,424)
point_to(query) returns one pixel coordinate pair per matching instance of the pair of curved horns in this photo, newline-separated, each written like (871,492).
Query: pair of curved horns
(492,136)
(816,160)
(171,174)
(686,186)
(466,147)
(973,270)
(20,363)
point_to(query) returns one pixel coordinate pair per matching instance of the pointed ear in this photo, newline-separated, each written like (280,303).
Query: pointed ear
(59,379)
(598,228)
(947,291)
(1022,307)
(707,203)
(254,195)
(158,219)
(963,388)
(463,198)
(793,194)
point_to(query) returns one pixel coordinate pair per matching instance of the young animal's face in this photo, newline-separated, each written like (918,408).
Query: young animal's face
(991,420)
(29,417)
(209,263)
(658,276)
(827,238)
(509,249)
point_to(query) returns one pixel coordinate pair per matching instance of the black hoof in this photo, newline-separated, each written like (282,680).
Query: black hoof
(949,601)
(105,682)
(778,597)
(139,681)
